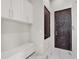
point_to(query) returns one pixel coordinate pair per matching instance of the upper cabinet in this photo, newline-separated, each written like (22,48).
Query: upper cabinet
(19,10)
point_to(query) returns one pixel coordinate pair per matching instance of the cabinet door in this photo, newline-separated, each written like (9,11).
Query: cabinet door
(17,6)
(5,8)
(27,11)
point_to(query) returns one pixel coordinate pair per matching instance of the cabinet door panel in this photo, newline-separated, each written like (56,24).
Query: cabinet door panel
(27,11)
(17,6)
(5,8)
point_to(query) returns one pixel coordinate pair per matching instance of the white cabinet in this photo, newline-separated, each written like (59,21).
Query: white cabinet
(27,11)
(22,10)
(19,10)
(17,6)
(5,8)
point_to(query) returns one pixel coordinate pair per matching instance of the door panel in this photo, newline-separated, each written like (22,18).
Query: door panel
(63,29)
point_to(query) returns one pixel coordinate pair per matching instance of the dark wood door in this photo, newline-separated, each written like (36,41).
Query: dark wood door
(63,29)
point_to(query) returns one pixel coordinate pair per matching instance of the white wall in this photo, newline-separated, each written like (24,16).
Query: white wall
(13,34)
